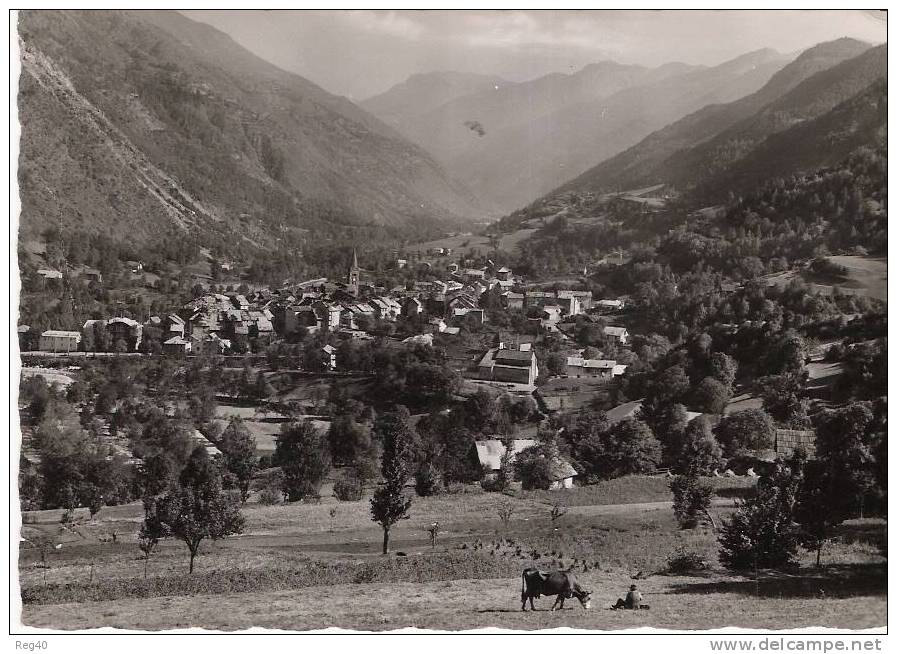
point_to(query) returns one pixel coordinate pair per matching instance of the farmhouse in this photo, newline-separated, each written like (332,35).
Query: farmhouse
(514,366)
(49,273)
(618,334)
(177,345)
(57,340)
(602,368)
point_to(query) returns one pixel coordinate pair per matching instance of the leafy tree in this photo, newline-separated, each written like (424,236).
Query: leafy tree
(691,499)
(711,396)
(723,368)
(389,503)
(426,479)
(534,465)
(782,399)
(196,509)
(844,441)
(761,533)
(750,429)
(823,502)
(301,452)
(556,363)
(628,447)
(352,444)
(699,453)
(238,447)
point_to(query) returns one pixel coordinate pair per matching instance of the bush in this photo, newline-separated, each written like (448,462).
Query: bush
(683,561)
(349,488)
(270,496)
(457,488)
(494,484)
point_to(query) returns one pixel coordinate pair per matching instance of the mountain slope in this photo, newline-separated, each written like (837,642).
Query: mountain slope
(137,122)
(813,97)
(425,92)
(808,145)
(643,164)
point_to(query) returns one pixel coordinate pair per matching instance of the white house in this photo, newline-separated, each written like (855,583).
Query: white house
(57,340)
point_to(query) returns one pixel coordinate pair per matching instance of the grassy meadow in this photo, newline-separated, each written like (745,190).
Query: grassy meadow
(299,567)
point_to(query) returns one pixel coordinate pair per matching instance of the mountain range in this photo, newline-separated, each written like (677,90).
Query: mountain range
(533,136)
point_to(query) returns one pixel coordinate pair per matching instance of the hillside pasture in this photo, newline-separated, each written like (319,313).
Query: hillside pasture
(865,275)
(296,567)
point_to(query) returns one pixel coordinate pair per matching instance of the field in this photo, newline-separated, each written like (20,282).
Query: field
(298,567)
(463,244)
(866,275)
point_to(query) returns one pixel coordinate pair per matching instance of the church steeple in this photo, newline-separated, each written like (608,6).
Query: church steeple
(354,276)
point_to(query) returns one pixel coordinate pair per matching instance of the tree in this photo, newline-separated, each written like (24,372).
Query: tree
(389,503)
(301,452)
(426,479)
(263,388)
(844,442)
(781,396)
(556,363)
(699,453)
(823,502)
(148,536)
(750,429)
(238,447)
(723,368)
(711,396)
(761,533)
(533,466)
(196,509)
(625,448)
(691,499)
(351,443)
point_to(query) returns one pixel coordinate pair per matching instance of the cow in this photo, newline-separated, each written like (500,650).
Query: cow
(558,582)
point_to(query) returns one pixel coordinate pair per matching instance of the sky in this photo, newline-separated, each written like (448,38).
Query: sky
(360,53)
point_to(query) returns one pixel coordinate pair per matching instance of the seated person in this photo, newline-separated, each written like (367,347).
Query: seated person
(633,600)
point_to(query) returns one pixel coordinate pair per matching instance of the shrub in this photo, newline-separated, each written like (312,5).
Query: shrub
(270,496)
(683,561)
(458,488)
(494,484)
(349,488)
